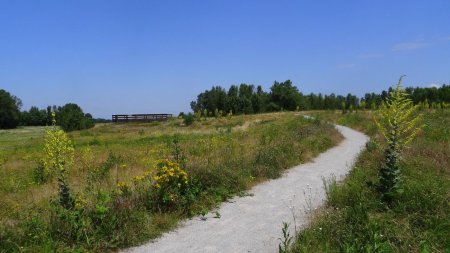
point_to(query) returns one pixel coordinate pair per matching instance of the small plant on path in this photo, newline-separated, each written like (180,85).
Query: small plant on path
(286,239)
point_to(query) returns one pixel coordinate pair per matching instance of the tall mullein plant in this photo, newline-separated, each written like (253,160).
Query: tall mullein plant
(398,122)
(59,155)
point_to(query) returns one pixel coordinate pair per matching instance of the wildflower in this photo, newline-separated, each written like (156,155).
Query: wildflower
(80,202)
(123,187)
(169,180)
(138,178)
(59,156)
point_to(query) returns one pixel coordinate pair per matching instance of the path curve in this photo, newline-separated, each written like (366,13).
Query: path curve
(253,223)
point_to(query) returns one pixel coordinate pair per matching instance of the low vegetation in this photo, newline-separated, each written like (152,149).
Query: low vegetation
(118,185)
(357,219)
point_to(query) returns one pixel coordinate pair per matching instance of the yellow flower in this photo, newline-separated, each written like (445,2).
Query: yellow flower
(123,186)
(80,202)
(138,178)
(169,175)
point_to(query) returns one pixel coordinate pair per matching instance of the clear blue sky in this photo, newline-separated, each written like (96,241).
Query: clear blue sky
(156,56)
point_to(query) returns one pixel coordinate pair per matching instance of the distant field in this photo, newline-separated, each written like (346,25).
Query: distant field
(20,137)
(222,156)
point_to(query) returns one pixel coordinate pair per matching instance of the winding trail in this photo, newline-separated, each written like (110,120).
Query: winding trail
(253,223)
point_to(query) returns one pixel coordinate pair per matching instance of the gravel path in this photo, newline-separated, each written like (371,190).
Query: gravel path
(253,223)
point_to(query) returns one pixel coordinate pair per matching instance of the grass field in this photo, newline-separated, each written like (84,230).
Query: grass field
(355,220)
(115,204)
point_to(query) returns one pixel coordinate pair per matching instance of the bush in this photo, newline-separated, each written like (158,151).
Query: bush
(40,175)
(188,119)
(170,184)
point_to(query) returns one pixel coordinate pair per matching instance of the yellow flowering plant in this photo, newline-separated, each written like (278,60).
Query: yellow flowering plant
(59,156)
(124,188)
(399,123)
(58,149)
(80,202)
(169,181)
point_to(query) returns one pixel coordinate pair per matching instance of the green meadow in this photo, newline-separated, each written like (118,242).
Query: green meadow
(355,220)
(119,171)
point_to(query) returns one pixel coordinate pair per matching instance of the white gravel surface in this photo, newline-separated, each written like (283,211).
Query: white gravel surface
(253,223)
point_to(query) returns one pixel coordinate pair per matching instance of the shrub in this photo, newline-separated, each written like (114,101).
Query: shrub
(40,175)
(188,119)
(170,183)
(94,142)
(230,114)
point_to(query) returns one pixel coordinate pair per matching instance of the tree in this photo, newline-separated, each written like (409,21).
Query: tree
(34,117)
(285,95)
(259,100)
(213,99)
(351,101)
(9,110)
(233,99)
(24,118)
(49,115)
(87,121)
(71,117)
(245,98)
(37,117)
(330,102)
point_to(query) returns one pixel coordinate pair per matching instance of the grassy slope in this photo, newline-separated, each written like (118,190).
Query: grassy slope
(224,156)
(354,220)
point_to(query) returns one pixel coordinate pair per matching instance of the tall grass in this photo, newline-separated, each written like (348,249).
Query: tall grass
(355,220)
(117,201)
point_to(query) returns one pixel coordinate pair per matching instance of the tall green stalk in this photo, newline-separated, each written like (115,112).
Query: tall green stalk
(59,153)
(398,122)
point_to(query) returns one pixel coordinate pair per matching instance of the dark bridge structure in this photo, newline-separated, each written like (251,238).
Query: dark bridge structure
(123,118)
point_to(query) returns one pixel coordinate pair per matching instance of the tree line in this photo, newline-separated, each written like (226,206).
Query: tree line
(248,99)
(70,116)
